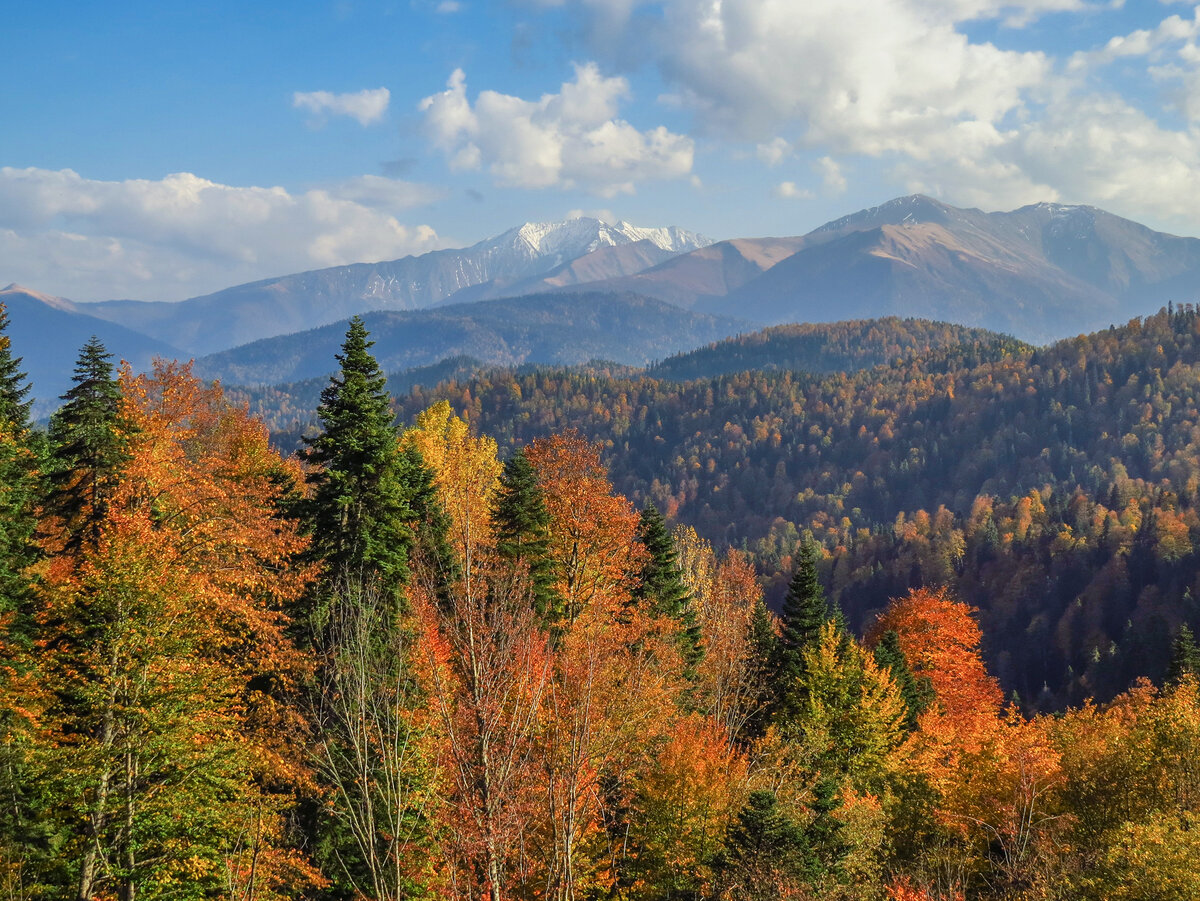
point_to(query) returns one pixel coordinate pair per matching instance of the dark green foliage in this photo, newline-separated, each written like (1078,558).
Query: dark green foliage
(917,693)
(765,853)
(88,448)
(360,510)
(805,611)
(1185,656)
(521,525)
(660,585)
(764,652)
(431,521)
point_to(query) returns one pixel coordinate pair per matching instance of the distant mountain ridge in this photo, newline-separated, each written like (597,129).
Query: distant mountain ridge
(47,333)
(305,300)
(542,328)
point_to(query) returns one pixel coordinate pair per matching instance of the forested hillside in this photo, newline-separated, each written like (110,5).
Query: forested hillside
(400,668)
(1054,489)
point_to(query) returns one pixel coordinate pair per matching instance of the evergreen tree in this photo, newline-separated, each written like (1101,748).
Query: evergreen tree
(764,652)
(432,522)
(360,510)
(661,585)
(88,448)
(804,612)
(24,828)
(766,854)
(917,693)
(521,526)
(1185,656)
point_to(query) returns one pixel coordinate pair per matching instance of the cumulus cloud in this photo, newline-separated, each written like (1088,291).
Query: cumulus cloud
(184,235)
(789,190)
(831,174)
(367,107)
(569,139)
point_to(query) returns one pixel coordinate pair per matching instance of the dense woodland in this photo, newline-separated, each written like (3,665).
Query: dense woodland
(405,665)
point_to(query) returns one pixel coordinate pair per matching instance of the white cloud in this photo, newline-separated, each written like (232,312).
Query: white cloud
(774,152)
(446,7)
(184,235)
(572,138)
(788,190)
(367,106)
(831,174)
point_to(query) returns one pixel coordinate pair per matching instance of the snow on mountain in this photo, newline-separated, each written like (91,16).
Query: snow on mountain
(306,300)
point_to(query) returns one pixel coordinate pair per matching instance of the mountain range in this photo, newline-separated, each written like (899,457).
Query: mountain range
(634,294)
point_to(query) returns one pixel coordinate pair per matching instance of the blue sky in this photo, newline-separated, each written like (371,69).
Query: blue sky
(160,151)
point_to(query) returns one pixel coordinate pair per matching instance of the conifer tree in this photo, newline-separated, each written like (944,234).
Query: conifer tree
(661,584)
(764,652)
(521,526)
(360,510)
(917,693)
(1185,656)
(22,824)
(805,611)
(766,854)
(88,448)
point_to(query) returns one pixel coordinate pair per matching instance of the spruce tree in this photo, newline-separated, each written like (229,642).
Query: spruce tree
(88,448)
(804,612)
(764,652)
(521,526)
(359,512)
(24,826)
(765,852)
(661,587)
(1185,656)
(917,693)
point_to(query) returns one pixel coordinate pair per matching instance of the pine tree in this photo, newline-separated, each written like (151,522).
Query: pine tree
(661,584)
(917,693)
(521,526)
(804,612)
(88,448)
(1185,656)
(360,510)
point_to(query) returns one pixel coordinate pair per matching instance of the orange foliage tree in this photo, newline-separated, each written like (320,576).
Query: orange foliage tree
(164,648)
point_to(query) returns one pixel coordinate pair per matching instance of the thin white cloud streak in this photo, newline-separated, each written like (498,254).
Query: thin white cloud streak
(184,235)
(570,139)
(366,107)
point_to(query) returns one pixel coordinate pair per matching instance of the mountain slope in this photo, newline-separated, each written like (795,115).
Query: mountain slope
(544,328)
(304,300)
(1039,272)
(47,333)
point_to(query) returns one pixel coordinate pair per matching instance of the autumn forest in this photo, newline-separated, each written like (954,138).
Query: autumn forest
(903,616)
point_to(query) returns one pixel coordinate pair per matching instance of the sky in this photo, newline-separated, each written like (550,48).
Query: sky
(159,151)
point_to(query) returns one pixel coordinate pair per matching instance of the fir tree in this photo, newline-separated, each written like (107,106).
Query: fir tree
(360,510)
(661,585)
(521,526)
(765,852)
(764,652)
(804,612)
(1185,656)
(432,538)
(917,693)
(88,448)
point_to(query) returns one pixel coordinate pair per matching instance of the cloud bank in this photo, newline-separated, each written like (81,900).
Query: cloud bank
(184,235)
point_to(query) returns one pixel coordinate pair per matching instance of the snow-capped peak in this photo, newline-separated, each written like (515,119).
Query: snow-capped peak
(572,238)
